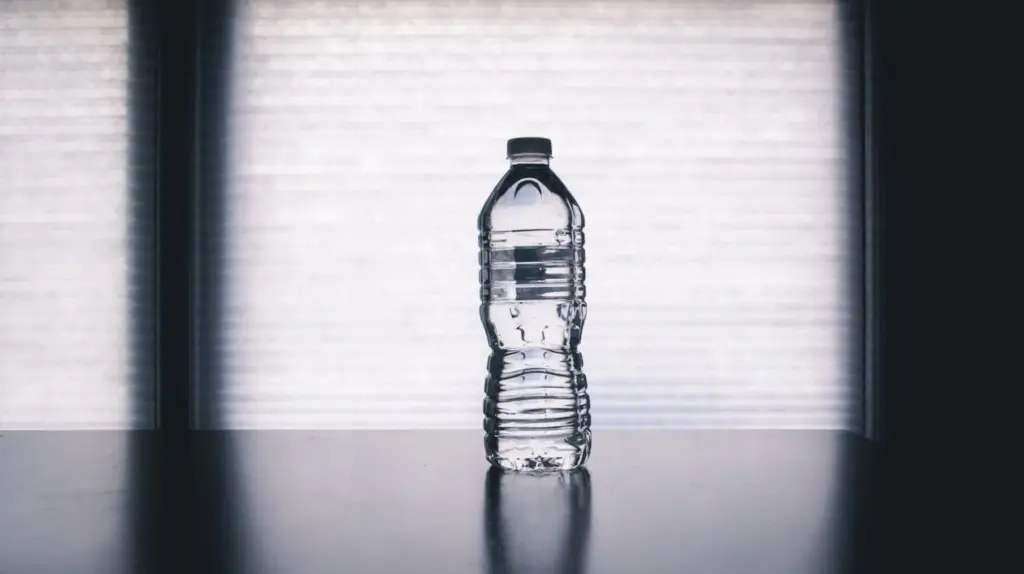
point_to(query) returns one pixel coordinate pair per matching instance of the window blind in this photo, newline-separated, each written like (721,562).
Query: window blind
(75,317)
(706,142)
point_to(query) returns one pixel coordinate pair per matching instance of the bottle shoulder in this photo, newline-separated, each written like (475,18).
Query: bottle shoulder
(530,197)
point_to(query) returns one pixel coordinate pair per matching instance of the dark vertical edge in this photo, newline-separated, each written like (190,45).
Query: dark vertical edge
(219,490)
(858,469)
(141,150)
(857,497)
(856,290)
(887,211)
(141,529)
(874,378)
(870,526)
(947,142)
(219,532)
(893,33)
(171,500)
(175,182)
(856,549)
(214,81)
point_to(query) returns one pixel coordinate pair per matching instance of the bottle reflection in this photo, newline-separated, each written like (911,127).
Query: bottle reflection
(537,523)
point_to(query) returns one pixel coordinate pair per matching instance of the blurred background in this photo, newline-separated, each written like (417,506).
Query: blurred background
(77,320)
(341,153)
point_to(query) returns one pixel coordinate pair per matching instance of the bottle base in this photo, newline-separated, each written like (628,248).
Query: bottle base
(538,454)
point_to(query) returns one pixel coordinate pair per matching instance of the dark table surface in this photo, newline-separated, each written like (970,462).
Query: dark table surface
(786,502)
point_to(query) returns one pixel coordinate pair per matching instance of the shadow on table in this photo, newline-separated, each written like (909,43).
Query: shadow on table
(537,523)
(184,505)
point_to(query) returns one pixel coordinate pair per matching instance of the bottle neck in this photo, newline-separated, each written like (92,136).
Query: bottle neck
(529,159)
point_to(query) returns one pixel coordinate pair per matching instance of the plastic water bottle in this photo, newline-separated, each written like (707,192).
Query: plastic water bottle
(536,408)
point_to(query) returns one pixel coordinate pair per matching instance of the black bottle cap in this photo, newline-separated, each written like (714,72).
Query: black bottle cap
(518,146)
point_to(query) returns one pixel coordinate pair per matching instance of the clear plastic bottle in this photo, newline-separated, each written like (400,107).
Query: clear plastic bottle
(536,407)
